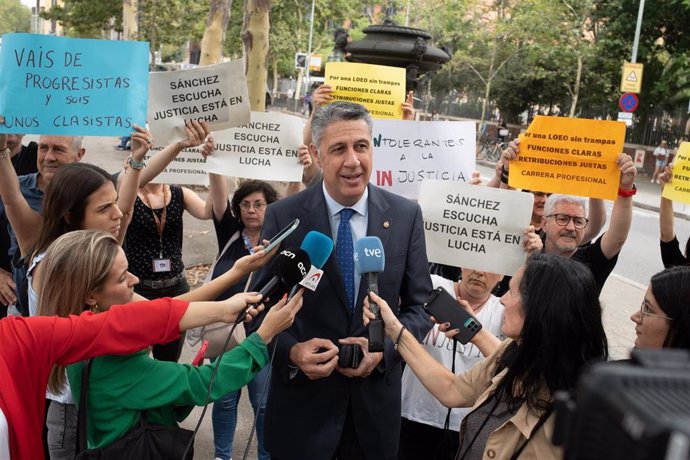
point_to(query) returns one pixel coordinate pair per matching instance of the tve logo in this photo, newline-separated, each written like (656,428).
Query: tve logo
(376,252)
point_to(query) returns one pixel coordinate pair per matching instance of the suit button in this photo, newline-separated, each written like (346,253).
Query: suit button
(491,453)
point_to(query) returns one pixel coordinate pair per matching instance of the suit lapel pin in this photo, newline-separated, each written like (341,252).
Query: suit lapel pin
(386,224)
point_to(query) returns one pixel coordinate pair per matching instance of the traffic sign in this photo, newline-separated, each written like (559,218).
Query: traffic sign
(631,80)
(628,102)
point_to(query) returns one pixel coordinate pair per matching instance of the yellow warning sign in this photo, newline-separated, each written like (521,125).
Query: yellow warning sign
(631,79)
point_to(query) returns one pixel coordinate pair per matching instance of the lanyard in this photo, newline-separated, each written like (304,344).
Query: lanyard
(247,242)
(160,223)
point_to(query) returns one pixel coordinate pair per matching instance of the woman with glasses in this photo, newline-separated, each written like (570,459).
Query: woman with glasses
(663,320)
(238,231)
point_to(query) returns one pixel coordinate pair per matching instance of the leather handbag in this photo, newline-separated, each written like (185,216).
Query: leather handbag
(146,441)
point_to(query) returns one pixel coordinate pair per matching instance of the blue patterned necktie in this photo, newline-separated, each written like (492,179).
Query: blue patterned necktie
(344,253)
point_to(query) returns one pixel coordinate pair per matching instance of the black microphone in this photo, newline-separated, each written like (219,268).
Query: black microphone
(370,260)
(289,267)
(318,247)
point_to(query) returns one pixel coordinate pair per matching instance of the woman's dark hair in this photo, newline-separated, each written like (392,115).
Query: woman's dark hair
(246,189)
(562,330)
(671,289)
(687,251)
(65,199)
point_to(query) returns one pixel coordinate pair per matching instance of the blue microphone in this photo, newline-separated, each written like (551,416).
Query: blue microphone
(318,247)
(370,260)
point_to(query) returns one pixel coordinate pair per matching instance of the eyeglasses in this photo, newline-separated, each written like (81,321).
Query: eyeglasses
(258,205)
(564,219)
(645,311)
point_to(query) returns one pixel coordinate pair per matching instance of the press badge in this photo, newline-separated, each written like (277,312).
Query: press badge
(161,265)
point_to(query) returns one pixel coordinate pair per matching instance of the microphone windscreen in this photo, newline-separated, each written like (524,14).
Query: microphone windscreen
(319,248)
(369,256)
(291,265)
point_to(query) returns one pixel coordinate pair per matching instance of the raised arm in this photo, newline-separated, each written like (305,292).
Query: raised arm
(196,133)
(621,216)
(24,221)
(666,231)
(128,180)
(597,219)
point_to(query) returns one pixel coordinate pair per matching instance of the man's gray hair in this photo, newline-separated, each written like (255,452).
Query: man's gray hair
(557,198)
(76,142)
(337,111)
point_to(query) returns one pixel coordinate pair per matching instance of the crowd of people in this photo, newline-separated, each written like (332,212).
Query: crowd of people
(83,250)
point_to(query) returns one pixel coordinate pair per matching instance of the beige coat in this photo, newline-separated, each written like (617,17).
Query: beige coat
(476,386)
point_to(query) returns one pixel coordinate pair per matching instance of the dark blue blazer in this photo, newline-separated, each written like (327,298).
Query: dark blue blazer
(304,418)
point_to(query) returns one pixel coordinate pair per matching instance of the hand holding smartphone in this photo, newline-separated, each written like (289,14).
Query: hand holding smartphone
(277,239)
(442,306)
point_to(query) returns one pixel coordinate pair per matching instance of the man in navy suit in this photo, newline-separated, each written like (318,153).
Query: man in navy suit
(316,409)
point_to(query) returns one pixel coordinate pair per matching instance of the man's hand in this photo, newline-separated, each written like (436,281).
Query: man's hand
(368,362)
(7,288)
(628,171)
(666,175)
(317,358)
(304,156)
(532,243)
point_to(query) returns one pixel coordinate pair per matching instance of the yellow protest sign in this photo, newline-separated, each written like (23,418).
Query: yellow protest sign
(679,187)
(569,155)
(381,89)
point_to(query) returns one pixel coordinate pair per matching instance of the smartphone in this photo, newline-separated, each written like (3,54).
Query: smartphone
(442,306)
(276,240)
(199,358)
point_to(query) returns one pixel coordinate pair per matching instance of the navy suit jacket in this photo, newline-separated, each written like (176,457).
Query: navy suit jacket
(305,418)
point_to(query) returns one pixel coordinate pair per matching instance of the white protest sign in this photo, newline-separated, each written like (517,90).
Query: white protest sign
(216,94)
(407,152)
(187,168)
(475,227)
(265,148)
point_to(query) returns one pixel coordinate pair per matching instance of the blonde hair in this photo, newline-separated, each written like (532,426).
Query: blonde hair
(75,265)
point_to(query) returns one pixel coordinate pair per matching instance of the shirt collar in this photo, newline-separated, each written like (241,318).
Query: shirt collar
(334,207)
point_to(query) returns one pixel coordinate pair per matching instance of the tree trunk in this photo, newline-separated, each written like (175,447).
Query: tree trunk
(487,91)
(576,89)
(255,39)
(214,35)
(129,20)
(275,76)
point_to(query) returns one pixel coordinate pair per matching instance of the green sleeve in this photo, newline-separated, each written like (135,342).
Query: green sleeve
(144,383)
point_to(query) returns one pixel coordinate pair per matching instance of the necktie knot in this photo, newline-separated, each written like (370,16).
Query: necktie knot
(346,214)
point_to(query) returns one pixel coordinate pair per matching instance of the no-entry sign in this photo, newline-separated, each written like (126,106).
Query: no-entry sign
(628,102)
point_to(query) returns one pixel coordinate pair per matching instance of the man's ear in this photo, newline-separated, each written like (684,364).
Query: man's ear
(313,151)
(81,153)
(543,221)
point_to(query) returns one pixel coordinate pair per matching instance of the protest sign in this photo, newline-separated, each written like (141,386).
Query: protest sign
(571,156)
(72,86)
(187,168)
(679,187)
(216,94)
(475,227)
(265,148)
(407,152)
(381,89)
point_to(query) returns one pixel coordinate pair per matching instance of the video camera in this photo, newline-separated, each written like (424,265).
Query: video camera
(637,410)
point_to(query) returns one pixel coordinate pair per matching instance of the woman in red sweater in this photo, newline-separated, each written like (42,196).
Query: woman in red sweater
(30,347)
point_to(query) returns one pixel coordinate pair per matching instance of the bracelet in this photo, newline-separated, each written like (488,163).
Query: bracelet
(5,153)
(138,165)
(397,341)
(627,193)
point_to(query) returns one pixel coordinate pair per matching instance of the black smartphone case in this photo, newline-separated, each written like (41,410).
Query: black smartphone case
(442,306)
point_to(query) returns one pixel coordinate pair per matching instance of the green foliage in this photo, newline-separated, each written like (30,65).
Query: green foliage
(87,18)
(171,22)
(15,17)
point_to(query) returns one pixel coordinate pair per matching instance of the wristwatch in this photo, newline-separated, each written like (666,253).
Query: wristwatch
(627,193)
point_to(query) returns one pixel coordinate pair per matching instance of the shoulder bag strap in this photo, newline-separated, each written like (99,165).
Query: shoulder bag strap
(235,236)
(83,405)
